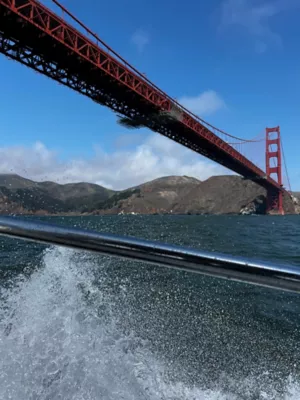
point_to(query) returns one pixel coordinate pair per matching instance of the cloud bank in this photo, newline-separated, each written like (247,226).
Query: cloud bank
(156,156)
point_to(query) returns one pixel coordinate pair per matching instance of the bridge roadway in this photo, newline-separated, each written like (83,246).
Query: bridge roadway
(33,35)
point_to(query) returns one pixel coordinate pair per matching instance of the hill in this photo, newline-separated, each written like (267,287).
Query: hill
(13,181)
(157,196)
(229,194)
(27,196)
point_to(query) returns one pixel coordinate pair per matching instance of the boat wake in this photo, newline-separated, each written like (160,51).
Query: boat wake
(61,338)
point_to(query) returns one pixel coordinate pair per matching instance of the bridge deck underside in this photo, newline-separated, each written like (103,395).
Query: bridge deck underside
(26,43)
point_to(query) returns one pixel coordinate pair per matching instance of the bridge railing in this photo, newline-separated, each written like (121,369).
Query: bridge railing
(235,142)
(98,41)
(255,156)
(283,277)
(155,95)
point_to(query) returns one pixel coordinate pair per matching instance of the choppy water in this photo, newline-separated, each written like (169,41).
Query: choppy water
(80,326)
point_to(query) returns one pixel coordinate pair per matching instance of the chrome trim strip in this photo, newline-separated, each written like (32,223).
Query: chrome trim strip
(266,274)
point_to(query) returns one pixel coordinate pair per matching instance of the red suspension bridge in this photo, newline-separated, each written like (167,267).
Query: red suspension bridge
(46,42)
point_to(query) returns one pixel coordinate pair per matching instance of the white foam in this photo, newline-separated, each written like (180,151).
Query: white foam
(59,339)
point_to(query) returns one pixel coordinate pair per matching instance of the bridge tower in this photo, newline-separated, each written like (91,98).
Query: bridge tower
(274,197)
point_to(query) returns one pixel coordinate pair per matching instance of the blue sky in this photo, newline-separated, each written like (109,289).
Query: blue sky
(234,62)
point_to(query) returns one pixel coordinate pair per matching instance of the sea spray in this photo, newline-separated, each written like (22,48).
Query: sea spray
(61,337)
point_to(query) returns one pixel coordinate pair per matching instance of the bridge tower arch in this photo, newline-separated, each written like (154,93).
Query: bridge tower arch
(273,166)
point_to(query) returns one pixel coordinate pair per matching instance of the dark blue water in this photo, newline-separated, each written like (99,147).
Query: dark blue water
(79,326)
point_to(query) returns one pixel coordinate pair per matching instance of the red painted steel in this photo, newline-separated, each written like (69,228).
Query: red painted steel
(35,36)
(144,78)
(274,198)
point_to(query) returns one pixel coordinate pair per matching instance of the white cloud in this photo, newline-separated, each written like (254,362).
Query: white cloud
(140,39)
(205,103)
(254,16)
(155,157)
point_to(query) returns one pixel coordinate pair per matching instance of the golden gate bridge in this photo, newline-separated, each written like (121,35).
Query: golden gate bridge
(35,36)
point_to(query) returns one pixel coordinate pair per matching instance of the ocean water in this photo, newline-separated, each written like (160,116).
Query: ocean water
(75,325)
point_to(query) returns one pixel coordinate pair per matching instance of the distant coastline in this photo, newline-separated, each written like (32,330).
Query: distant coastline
(227,194)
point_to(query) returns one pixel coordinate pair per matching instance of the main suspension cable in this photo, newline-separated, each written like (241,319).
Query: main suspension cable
(285,166)
(142,76)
